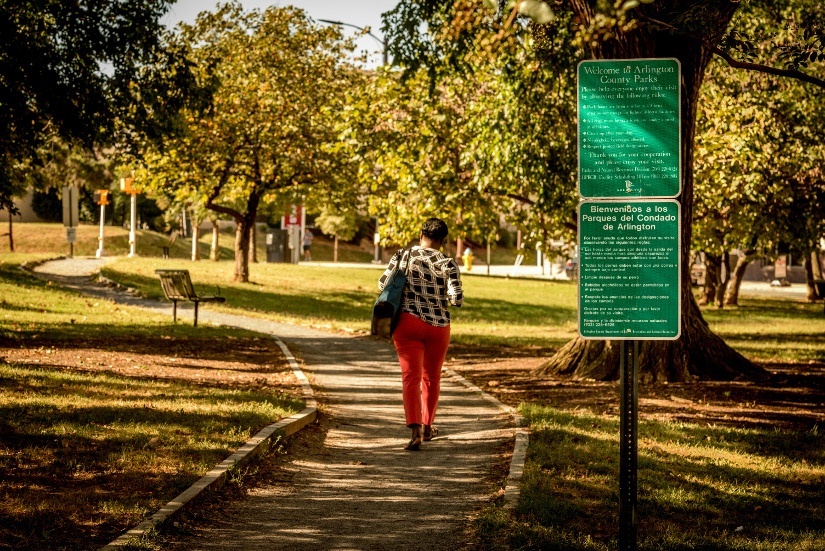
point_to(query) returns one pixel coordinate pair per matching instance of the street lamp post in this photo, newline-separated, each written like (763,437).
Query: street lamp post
(365,30)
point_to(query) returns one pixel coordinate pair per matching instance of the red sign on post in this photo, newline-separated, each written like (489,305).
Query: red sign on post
(293,216)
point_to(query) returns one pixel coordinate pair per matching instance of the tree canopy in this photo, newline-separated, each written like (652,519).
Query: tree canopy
(276,80)
(72,69)
(445,37)
(759,184)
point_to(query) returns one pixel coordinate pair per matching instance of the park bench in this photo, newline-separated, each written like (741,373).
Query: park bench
(177,285)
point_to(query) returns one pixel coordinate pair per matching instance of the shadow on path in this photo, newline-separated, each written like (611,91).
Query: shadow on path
(360,490)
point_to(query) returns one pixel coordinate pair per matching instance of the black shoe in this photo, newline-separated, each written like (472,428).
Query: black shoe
(414,443)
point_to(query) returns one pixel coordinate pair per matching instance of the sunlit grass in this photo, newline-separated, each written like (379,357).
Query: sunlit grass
(772,329)
(90,452)
(520,312)
(700,487)
(29,306)
(497,311)
(509,312)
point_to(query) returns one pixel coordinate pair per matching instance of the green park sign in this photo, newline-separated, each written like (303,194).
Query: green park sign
(629,128)
(629,270)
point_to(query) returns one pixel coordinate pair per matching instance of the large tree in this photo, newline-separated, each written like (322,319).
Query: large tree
(758,175)
(759,183)
(691,31)
(469,148)
(72,69)
(276,81)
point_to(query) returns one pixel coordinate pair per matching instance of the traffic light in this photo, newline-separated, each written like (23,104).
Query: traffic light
(102,197)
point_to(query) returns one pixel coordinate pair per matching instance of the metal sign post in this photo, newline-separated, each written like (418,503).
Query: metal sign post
(127,186)
(70,216)
(629,147)
(102,199)
(628,445)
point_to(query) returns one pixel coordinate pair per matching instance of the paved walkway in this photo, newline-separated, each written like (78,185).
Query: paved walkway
(362,490)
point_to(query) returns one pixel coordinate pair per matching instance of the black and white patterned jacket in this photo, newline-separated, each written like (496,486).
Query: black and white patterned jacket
(433,284)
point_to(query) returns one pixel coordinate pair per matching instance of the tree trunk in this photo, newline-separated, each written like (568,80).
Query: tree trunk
(196,237)
(712,265)
(335,250)
(815,271)
(698,353)
(812,271)
(816,265)
(722,278)
(242,250)
(215,248)
(742,262)
(11,234)
(253,244)
(245,224)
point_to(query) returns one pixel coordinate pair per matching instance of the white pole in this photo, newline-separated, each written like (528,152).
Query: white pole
(488,257)
(100,237)
(132,233)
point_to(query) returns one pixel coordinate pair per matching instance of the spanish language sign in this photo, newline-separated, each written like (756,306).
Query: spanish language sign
(629,284)
(629,128)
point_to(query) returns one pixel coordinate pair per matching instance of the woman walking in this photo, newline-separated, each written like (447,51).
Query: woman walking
(423,332)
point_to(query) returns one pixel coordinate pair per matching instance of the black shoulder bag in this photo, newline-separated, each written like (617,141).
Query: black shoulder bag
(387,308)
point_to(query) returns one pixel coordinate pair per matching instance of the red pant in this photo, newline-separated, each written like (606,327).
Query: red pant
(421,351)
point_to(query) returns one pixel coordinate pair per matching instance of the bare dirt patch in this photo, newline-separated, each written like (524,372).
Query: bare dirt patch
(230,362)
(793,398)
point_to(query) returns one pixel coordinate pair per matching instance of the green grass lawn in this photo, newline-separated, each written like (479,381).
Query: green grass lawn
(514,313)
(518,313)
(702,487)
(108,412)
(772,329)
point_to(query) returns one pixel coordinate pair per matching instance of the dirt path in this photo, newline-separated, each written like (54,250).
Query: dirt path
(360,490)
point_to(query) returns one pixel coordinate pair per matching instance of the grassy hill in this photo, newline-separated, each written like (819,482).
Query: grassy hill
(36,237)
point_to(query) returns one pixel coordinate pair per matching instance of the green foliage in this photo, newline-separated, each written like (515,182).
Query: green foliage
(339,223)
(798,42)
(470,148)
(51,81)
(760,141)
(276,81)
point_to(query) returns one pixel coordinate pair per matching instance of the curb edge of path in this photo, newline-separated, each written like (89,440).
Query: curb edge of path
(512,490)
(261,442)
(216,478)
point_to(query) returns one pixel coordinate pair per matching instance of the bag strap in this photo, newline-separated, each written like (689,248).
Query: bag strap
(405,252)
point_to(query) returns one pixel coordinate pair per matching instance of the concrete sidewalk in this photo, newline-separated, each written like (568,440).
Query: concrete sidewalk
(362,490)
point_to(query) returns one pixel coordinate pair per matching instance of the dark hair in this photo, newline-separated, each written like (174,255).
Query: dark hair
(435,229)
